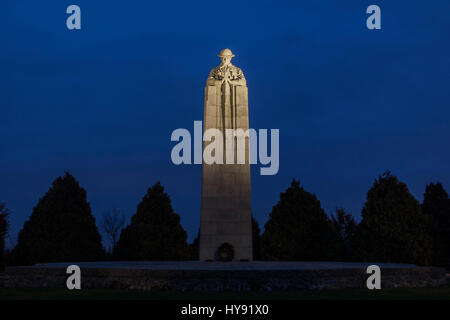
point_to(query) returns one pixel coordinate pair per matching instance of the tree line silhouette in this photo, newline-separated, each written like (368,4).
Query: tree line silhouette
(394,227)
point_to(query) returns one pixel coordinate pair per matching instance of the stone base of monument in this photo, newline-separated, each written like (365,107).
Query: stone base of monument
(223,276)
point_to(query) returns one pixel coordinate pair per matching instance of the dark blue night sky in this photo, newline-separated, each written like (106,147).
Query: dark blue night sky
(102,102)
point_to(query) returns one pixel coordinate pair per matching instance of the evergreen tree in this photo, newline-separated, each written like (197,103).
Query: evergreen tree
(436,206)
(4,212)
(393,227)
(299,229)
(155,232)
(195,245)
(346,226)
(127,246)
(256,240)
(60,228)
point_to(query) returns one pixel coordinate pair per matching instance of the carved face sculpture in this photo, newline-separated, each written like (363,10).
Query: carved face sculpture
(226,60)
(226,55)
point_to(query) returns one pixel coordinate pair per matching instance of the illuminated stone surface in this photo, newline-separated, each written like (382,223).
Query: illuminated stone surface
(226,202)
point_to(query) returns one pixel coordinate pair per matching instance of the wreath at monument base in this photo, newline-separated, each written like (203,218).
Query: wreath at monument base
(225,252)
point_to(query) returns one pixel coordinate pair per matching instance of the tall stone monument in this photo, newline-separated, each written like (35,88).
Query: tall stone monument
(226,217)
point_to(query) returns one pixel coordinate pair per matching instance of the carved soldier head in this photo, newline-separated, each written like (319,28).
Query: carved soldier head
(226,55)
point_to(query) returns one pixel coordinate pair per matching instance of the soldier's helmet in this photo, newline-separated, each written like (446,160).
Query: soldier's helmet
(226,53)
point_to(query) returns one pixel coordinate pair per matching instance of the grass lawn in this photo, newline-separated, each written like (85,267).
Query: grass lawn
(351,294)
